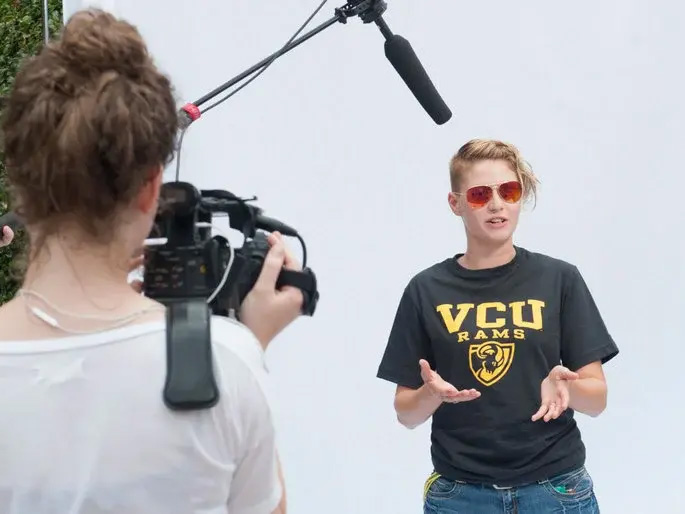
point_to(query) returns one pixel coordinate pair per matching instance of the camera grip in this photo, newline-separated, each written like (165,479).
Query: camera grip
(304,280)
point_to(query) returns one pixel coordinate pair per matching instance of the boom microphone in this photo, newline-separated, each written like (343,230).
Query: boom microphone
(397,49)
(403,58)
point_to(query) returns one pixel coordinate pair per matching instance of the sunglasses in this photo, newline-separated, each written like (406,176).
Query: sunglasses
(479,196)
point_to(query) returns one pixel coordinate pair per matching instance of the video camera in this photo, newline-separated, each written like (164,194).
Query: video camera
(194,273)
(192,264)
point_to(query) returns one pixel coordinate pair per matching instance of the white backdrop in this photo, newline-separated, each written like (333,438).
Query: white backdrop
(332,142)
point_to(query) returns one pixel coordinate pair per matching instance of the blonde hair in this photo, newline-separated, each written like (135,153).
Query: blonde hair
(490,149)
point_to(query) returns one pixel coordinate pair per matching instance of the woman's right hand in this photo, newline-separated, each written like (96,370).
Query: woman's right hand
(266,310)
(443,390)
(6,236)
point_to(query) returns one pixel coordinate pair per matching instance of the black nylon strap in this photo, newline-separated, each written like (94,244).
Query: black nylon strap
(299,279)
(304,280)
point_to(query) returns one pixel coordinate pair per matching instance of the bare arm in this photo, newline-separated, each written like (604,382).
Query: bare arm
(281,509)
(588,393)
(415,406)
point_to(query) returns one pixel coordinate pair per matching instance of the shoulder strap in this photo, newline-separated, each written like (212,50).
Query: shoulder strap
(190,383)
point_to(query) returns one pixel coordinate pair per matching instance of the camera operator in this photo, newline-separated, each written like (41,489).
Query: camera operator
(88,128)
(6,236)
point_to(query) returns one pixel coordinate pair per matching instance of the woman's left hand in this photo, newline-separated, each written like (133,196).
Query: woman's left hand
(6,236)
(555,394)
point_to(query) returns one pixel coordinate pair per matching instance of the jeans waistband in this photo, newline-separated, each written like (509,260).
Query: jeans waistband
(499,487)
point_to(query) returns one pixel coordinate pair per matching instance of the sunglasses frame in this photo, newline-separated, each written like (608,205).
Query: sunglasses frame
(494,188)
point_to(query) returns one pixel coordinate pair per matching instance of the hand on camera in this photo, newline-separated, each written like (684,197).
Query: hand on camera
(6,236)
(442,389)
(266,310)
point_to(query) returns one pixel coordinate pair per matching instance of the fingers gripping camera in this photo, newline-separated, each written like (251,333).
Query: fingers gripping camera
(252,257)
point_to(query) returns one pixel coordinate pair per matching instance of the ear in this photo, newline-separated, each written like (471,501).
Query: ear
(455,204)
(149,193)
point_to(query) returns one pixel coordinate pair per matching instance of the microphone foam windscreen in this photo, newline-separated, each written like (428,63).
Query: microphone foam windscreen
(403,58)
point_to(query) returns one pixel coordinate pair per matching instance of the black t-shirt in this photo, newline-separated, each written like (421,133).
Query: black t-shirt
(500,331)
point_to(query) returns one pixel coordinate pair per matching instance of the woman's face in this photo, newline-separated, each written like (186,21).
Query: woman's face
(488,201)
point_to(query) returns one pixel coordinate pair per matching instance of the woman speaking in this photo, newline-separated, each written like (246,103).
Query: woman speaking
(500,345)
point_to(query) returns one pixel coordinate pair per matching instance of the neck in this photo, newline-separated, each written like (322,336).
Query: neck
(91,278)
(481,255)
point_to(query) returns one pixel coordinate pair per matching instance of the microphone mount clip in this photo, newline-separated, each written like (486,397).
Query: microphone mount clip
(369,11)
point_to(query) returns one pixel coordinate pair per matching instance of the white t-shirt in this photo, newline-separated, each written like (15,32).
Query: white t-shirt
(84,429)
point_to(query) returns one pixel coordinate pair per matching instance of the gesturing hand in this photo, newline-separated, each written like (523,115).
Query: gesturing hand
(554,392)
(444,390)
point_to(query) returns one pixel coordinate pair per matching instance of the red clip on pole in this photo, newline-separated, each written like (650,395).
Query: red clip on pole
(192,113)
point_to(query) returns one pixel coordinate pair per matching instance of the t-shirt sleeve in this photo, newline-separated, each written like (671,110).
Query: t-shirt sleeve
(407,343)
(255,485)
(584,335)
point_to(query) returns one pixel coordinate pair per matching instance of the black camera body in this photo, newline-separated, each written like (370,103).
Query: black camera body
(195,275)
(192,264)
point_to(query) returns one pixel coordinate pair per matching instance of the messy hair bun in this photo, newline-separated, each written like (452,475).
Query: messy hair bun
(88,121)
(93,43)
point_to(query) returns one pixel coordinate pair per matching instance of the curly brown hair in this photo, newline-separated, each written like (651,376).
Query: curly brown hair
(88,122)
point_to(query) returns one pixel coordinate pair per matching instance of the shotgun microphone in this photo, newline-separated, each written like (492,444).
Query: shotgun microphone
(403,58)
(405,61)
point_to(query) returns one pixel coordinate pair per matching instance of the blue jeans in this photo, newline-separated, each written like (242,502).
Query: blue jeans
(569,493)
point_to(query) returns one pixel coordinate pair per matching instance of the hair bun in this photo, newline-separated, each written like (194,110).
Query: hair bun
(94,41)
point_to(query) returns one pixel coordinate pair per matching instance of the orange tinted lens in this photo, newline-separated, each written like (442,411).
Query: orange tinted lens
(510,191)
(479,195)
